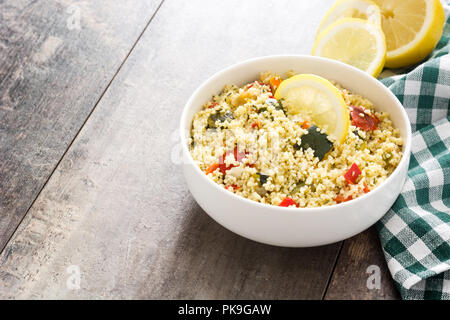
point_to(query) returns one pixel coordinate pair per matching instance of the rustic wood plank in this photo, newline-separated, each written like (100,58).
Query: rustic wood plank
(351,274)
(56,59)
(117,206)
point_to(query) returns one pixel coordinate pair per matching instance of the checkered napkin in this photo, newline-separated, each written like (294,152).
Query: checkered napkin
(415,233)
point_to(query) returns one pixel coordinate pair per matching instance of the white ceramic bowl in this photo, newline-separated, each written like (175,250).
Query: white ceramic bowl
(295,227)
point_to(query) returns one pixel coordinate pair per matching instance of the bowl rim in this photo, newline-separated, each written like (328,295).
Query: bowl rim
(299,210)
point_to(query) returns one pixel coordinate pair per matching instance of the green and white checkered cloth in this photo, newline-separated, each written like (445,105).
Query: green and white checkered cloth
(415,233)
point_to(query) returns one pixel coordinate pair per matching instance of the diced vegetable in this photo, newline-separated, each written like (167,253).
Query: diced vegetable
(235,172)
(238,156)
(262,109)
(305,125)
(298,187)
(287,202)
(261,191)
(262,178)
(366,188)
(255,124)
(227,116)
(352,174)
(212,168)
(317,141)
(387,156)
(276,104)
(223,167)
(340,198)
(279,106)
(212,121)
(232,186)
(274,83)
(222,117)
(213,104)
(356,132)
(362,120)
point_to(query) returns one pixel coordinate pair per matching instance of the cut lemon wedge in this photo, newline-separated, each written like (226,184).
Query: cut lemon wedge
(357,42)
(319,100)
(362,9)
(412,29)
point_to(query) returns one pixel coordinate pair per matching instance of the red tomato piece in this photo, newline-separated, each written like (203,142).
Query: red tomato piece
(232,186)
(362,120)
(366,188)
(256,124)
(212,168)
(340,198)
(352,174)
(222,166)
(288,202)
(238,156)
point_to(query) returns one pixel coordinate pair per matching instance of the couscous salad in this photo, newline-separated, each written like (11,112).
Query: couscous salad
(303,141)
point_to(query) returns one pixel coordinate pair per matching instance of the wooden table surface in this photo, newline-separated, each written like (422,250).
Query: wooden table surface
(91,93)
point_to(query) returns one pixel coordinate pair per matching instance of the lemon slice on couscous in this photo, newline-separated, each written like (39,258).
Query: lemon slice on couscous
(412,29)
(362,9)
(319,100)
(357,42)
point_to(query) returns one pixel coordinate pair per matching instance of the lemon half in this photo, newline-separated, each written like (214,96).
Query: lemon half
(362,9)
(357,42)
(412,29)
(320,100)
